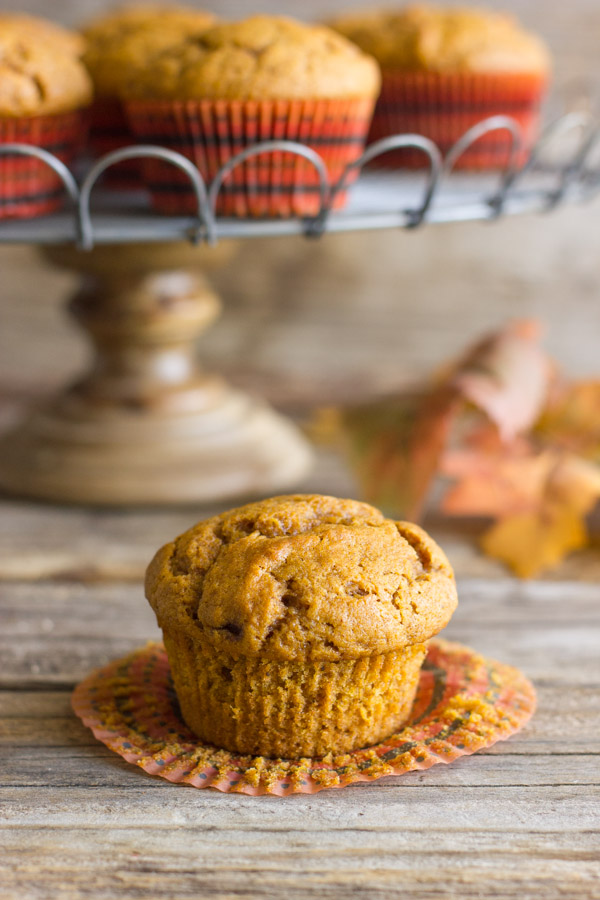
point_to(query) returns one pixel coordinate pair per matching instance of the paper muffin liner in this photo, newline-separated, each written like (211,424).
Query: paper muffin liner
(288,708)
(275,184)
(28,187)
(444,106)
(109,130)
(464,703)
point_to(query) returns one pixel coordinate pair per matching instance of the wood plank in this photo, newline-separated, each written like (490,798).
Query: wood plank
(182,862)
(381,806)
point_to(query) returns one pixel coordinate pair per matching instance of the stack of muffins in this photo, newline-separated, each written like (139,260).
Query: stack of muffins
(176,77)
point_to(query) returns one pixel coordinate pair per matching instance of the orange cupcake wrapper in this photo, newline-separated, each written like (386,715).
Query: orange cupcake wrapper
(109,131)
(464,703)
(443,107)
(277,184)
(28,187)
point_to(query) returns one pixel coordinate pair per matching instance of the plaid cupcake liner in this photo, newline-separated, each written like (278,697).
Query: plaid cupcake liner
(278,184)
(109,130)
(28,187)
(443,107)
(464,703)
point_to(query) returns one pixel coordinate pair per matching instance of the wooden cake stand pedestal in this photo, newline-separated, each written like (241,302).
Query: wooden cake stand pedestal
(146,425)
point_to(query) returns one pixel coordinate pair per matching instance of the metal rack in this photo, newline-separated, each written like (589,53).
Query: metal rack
(377,200)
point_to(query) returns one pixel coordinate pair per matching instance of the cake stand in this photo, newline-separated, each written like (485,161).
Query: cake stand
(145,424)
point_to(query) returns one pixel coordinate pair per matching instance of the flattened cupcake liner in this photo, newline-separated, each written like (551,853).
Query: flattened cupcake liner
(443,107)
(464,703)
(279,707)
(28,187)
(109,130)
(277,184)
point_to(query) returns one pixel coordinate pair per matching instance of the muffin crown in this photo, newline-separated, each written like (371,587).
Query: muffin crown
(260,58)
(449,39)
(59,39)
(303,576)
(37,78)
(124,43)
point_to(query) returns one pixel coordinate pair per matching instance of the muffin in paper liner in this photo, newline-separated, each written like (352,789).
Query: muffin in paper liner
(211,132)
(464,703)
(28,187)
(443,106)
(109,131)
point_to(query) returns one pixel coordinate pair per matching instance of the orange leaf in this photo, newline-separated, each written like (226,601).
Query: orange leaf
(572,419)
(537,539)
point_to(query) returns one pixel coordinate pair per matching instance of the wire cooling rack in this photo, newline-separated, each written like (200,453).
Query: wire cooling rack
(561,168)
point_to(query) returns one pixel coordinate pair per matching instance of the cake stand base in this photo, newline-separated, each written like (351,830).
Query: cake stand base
(146,426)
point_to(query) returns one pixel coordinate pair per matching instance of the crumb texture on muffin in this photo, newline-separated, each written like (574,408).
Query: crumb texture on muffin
(59,39)
(260,58)
(303,576)
(445,39)
(123,43)
(36,78)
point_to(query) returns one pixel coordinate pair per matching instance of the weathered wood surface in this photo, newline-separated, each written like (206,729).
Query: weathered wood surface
(518,820)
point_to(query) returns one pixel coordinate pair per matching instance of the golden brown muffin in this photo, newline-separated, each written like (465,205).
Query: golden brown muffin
(445,39)
(260,58)
(125,41)
(297,625)
(35,79)
(60,40)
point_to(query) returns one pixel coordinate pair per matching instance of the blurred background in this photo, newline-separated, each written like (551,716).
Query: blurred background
(355,314)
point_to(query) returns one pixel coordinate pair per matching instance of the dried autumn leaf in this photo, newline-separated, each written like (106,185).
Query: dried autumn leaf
(494,479)
(533,540)
(395,447)
(506,376)
(572,419)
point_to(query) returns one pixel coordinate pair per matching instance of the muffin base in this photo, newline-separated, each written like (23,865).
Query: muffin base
(443,106)
(211,132)
(465,702)
(28,187)
(110,131)
(280,708)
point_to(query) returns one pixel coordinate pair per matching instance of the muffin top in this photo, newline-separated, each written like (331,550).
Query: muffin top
(448,39)
(125,41)
(260,58)
(35,79)
(60,39)
(303,576)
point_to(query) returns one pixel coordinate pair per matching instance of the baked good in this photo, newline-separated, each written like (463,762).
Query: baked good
(447,68)
(43,92)
(59,39)
(120,47)
(297,625)
(238,83)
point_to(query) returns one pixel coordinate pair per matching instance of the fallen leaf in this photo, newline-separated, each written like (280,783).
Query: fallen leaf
(395,447)
(538,539)
(506,376)
(572,419)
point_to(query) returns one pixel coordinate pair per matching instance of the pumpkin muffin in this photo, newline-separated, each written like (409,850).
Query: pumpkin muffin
(447,68)
(238,83)
(43,92)
(62,40)
(120,47)
(297,625)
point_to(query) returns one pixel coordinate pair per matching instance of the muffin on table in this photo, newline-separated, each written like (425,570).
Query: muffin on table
(296,626)
(44,92)
(238,83)
(447,68)
(119,45)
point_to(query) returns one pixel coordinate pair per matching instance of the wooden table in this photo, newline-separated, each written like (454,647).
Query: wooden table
(519,820)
